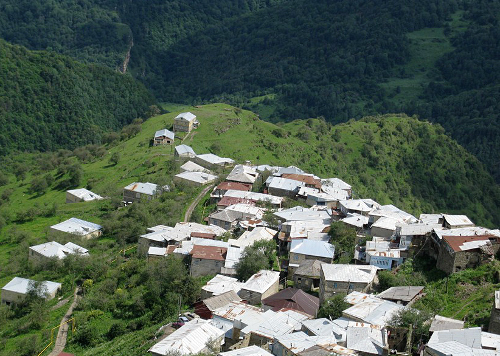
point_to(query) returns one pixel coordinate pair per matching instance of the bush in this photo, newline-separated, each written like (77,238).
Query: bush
(332,308)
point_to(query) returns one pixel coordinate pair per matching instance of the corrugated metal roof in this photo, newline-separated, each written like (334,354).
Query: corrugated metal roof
(355,297)
(220,284)
(356,220)
(335,183)
(385,224)
(470,337)
(327,350)
(221,300)
(191,338)
(233,256)
(254,196)
(403,293)
(190,166)
(244,174)
(464,243)
(366,339)
(186,116)
(184,150)
(312,248)
(454,348)
(209,253)
(234,186)
(355,205)
(253,350)
(21,285)
(349,273)
(273,324)
(458,220)
(165,133)
(300,213)
(261,281)
(236,310)
(143,188)
(77,227)
(466,231)
(289,185)
(249,237)
(306,178)
(214,159)
(197,177)
(55,249)
(375,312)
(85,194)
(289,170)
(442,323)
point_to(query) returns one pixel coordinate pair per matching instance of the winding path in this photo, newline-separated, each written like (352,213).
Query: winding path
(62,334)
(195,202)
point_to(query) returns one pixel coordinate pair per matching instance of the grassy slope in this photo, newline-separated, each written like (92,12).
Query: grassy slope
(344,150)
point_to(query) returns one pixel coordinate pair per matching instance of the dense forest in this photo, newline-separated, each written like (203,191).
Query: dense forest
(49,101)
(290,59)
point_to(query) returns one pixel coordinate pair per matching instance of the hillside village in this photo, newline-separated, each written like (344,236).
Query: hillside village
(278,312)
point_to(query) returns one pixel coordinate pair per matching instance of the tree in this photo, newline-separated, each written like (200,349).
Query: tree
(344,240)
(418,320)
(332,308)
(39,185)
(75,175)
(261,255)
(4,180)
(115,158)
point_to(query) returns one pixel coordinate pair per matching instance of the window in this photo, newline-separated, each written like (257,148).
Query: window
(335,285)
(296,257)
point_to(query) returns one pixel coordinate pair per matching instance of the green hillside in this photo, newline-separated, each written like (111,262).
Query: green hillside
(393,159)
(49,101)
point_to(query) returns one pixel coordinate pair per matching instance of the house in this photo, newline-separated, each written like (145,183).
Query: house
(494,326)
(249,237)
(356,220)
(196,179)
(206,260)
(356,206)
(300,213)
(336,183)
(81,194)
(260,286)
(232,258)
(325,327)
(456,221)
(442,323)
(191,338)
(205,307)
(16,290)
(459,252)
(345,278)
(271,325)
(163,137)
(223,187)
(230,216)
(246,351)
(367,340)
(307,275)
(243,174)
(220,284)
(294,343)
(137,191)
(328,350)
(184,151)
(325,199)
(405,295)
(190,166)
(257,197)
(74,226)
(185,122)
(227,201)
(305,249)
(155,253)
(373,311)
(292,298)
(457,342)
(53,249)
(235,316)
(309,180)
(383,258)
(209,160)
(384,227)
(287,170)
(414,234)
(283,187)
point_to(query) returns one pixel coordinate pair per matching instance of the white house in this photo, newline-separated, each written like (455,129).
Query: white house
(185,122)
(16,290)
(184,151)
(163,137)
(260,286)
(81,194)
(195,178)
(136,191)
(55,249)
(74,226)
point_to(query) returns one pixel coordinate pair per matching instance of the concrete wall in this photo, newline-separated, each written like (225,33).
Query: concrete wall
(91,235)
(377,231)
(327,289)
(182,125)
(303,282)
(203,267)
(298,258)
(255,298)
(70,198)
(130,196)
(10,297)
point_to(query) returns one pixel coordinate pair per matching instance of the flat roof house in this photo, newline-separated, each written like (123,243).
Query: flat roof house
(74,226)
(185,122)
(163,137)
(16,290)
(81,195)
(261,285)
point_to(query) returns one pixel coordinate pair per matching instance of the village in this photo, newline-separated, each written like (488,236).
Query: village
(275,311)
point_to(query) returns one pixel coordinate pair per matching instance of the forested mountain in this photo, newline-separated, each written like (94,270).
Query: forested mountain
(291,59)
(49,101)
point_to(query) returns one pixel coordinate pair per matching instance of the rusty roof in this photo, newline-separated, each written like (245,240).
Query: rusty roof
(456,242)
(203,235)
(234,186)
(209,252)
(226,201)
(304,178)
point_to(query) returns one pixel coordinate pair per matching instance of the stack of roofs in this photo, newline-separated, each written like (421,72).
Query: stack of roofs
(54,249)
(220,284)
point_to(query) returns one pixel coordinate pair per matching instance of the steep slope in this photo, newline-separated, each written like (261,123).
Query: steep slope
(49,101)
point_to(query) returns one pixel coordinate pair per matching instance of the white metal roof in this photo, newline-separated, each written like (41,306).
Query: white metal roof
(85,194)
(325,327)
(366,339)
(355,205)
(21,285)
(442,323)
(237,309)
(186,116)
(373,311)
(355,297)
(355,220)
(157,251)
(249,237)
(191,338)
(329,196)
(244,174)
(143,188)
(247,209)
(335,183)
(166,133)
(470,337)
(430,218)
(214,159)
(253,350)
(490,341)
(466,231)
(233,256)
(458,220)
(300,213)
(221,284)
(349,273)
(297,341)
(454,348)
(184,150)
(273,324)
(261,281)
(305,191)
(312,248)
(190,166)
(52,249)
(289,170)
(305,229)
(254,196)
(385,223)
(415,229)
(77,227)
(286,184)
(198,177)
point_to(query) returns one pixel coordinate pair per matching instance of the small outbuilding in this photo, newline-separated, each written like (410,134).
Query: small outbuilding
(81,195)
(163,137)
(74,226)
(16,290)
